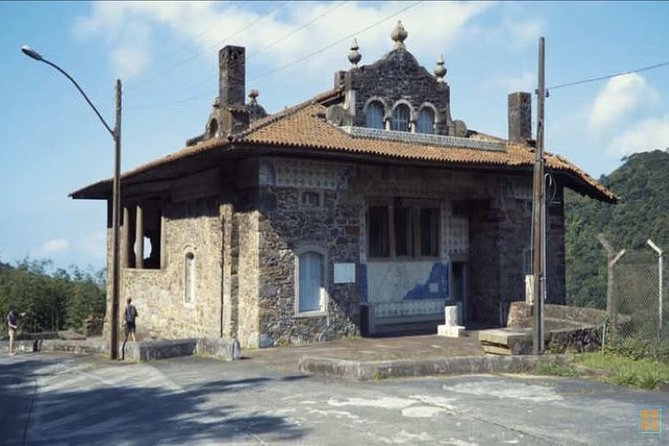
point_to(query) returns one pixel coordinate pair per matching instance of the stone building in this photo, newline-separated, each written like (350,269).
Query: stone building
(362,210)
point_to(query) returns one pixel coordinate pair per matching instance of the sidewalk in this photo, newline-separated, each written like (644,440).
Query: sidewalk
(351,358)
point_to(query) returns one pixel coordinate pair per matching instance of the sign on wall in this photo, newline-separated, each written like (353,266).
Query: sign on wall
(344,273)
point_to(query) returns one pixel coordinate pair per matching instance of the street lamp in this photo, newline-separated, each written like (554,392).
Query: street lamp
(116,194)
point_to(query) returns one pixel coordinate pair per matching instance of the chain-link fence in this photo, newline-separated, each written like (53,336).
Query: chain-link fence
(637,323)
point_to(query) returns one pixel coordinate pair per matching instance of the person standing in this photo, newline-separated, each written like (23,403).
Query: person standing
(129,316)
(12,325)
(129,320)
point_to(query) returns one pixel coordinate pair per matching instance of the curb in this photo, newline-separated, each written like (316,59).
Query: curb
(220,348)
(402,368)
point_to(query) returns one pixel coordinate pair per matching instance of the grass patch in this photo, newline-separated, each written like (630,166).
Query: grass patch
(552,369)
(623,370)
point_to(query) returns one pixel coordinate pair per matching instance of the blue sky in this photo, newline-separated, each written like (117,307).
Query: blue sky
(51,143)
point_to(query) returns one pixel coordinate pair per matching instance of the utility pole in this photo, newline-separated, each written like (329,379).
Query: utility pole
(116,223)
(537,214)
(116,194)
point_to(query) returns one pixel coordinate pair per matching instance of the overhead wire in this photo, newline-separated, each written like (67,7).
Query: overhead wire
(609,76)
(254,55)
(286,65)
(307,56)
(214,45)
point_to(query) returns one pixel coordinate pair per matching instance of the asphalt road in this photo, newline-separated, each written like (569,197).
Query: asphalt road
(49,399)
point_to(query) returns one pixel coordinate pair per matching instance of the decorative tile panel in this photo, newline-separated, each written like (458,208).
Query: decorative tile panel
(309,174)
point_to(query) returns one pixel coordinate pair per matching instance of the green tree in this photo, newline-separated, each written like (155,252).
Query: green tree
(642,212)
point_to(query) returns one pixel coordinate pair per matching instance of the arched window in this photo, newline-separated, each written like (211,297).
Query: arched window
(374,116)
(425,122)
(213,128)
(401,118)
(311,285)
(189,278)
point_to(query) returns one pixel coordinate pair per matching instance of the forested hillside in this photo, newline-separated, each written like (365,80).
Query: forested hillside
(50,300)
(642,213)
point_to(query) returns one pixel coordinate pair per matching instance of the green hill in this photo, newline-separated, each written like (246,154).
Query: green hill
(642,213)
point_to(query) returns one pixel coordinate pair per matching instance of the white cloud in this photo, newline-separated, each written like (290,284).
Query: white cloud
(128,27)
(93,245)
(521,82)
(55,245)
(620,96)
(643,136)
(523,33)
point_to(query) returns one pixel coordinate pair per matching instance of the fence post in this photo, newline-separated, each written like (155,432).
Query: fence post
(611,307)
(659,290)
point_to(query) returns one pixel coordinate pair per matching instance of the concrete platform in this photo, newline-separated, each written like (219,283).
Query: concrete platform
(374,370)
(142,351)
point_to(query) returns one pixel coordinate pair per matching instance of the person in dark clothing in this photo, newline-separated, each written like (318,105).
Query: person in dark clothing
(12,324)
(129,321)
(129,326)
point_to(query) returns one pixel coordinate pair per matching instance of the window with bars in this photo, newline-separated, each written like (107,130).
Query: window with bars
(425,122)
(401,116)
(403,230)
(374,116)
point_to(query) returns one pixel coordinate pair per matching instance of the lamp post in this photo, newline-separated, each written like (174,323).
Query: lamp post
(116,194)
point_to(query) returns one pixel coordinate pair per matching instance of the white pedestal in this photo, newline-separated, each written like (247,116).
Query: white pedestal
(450,329)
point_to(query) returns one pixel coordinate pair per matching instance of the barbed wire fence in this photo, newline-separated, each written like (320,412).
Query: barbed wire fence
(637,324)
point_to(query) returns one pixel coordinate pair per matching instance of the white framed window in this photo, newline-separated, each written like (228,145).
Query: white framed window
(189,277)
(401,116)
(310,199)
(374,116)
(425,122)
(310,276)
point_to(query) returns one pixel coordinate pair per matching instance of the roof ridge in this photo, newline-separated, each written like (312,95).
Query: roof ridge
(289,111)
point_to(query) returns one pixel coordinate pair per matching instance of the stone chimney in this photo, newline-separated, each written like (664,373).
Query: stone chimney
(234,116)
(520,117)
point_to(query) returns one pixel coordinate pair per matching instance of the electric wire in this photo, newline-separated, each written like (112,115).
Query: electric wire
(286,65)
(254,55)
(214,45)
(307,56)
(609,76)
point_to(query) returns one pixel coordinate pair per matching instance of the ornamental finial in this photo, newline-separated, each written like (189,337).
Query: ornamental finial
(399,35)
(440,69)
(354,56)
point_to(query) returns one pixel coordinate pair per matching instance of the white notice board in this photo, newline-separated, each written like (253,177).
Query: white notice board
(344,273)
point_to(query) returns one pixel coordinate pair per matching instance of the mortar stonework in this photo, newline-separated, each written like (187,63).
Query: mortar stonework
(246,250)
(159,294)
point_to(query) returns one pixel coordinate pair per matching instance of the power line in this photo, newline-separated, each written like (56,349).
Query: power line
(225,39)
(253,56)
(300,59)
(304,25)
(601,78)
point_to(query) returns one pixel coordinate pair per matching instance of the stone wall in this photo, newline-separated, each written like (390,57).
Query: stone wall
(286,227)
(398,76)
(555,251)
(248,277)
(495,246)
(190,226)
(246,244)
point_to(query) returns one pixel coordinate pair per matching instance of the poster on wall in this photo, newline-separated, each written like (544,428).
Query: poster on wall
(344,273)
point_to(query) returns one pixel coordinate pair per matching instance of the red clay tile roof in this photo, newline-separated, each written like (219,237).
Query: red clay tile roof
(304,128)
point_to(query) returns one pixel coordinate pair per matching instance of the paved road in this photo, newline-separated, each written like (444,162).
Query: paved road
(49,399)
